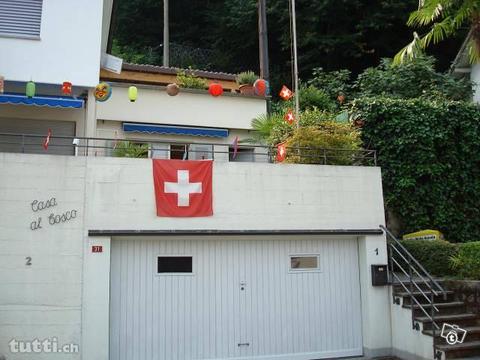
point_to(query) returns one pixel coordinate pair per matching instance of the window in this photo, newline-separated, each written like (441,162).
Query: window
(200,152)
(243,154)
(304,263)
(21,18)
(174,265)
(179,151)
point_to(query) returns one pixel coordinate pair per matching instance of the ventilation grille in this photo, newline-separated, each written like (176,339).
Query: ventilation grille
(20,18)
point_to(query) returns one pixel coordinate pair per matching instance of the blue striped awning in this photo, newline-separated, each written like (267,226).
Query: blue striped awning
(49,101)
(175,130)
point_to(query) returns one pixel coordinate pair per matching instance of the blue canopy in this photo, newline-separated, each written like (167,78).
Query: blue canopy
(50,101)
(176,130)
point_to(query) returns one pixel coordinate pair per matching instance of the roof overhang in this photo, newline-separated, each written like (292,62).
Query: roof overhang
(203,232)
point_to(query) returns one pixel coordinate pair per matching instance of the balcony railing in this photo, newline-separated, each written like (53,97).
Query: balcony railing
(166,149)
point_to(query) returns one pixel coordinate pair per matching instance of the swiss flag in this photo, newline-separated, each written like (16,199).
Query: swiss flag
(183,188)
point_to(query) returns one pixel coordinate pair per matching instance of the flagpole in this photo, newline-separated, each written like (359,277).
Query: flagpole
(295,63)
(166,35)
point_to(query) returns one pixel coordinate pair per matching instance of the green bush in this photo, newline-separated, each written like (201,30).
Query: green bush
(467,261)
(433,255)
(246,78)
(333,83)
(430,157)
(191,81)
(325,135)
(412,80)
(131,150)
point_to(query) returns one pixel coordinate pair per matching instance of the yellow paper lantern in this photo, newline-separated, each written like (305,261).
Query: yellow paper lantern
(132,93)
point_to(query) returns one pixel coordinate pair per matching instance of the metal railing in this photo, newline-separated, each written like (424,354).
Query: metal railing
(413,276)
(134,147)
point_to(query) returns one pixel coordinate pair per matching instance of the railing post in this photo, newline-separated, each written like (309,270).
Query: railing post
(86,150)
(432,314)
(324,157)
(410,275)
(23,143)
(390,250)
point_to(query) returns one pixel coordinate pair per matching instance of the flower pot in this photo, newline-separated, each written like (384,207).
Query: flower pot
(247,89)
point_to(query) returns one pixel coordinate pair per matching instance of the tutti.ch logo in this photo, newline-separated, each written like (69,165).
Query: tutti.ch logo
(453,334)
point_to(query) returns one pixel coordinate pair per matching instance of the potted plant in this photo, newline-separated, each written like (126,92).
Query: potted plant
(245,80)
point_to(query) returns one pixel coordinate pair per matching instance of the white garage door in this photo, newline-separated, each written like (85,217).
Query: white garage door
(243,299)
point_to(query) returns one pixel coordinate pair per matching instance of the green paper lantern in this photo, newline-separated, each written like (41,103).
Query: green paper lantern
(30,89)
(132,93)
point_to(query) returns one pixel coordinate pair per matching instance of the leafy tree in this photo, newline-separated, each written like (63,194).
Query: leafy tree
(443,18)
(412,80)
(332,34)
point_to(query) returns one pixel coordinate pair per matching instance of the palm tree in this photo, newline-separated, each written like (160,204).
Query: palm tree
(444,18)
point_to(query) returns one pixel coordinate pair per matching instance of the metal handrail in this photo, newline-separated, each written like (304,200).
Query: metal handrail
(421,307)
(434,288)
(413,268)
(360,155)
(392,237)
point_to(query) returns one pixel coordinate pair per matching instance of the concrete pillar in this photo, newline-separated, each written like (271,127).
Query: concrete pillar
(96,299)
(376,322)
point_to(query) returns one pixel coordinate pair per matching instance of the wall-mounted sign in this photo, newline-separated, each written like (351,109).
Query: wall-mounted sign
(53,218)
(97,248)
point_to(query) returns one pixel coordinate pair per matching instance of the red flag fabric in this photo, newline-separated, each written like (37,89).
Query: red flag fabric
(281,152)
(47,139)
(183,188)
(289,116)
(286,93)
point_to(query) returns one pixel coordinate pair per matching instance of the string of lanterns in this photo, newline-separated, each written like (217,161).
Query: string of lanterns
(103,91)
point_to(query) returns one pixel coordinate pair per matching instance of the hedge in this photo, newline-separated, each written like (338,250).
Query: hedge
(433,255)
(444,259)
(466,262)
(429,152)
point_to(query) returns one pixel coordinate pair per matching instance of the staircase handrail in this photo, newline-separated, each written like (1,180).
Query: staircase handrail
(415,261)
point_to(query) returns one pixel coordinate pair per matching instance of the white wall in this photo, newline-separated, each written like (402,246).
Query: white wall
(41,300)
(188,108)
(44,300)
(475,77)
(245,196)
(68,49)
(408,343)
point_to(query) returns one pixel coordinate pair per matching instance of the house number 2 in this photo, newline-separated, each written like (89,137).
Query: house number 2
(28,261)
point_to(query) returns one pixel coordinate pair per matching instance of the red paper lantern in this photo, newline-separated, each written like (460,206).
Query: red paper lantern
(215,89)
(260,87)
(67,88)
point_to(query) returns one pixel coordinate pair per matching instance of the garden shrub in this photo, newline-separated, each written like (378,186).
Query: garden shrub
(429,152)
(191,81)
(433,255)
(467,261)
(313,140)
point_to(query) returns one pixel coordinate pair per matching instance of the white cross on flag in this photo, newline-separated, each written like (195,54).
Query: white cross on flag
(183,188)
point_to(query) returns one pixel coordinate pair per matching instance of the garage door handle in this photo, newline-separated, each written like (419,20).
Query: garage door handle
(244,344)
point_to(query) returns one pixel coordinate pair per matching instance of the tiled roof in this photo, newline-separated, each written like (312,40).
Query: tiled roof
(172,71)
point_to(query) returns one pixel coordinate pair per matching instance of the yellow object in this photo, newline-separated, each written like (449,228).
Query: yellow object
(424,235)
(132,93)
